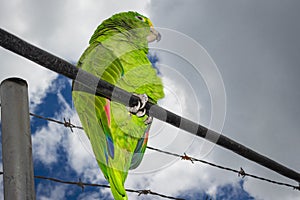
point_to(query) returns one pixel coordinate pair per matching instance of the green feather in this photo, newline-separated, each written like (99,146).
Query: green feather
(117,54)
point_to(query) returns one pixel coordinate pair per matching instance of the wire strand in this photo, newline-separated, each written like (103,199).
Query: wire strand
(84,184)
(240,172)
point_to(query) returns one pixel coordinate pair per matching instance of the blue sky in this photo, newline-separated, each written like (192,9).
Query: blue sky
(254,46)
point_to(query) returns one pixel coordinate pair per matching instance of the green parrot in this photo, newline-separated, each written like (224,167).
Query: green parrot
(117,53)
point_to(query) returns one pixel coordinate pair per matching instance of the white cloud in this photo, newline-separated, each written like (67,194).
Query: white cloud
(104,194)
(259,74)
(45,143)
(14,66)
(88,196)
(48,192)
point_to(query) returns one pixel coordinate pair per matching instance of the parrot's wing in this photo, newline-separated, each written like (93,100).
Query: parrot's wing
(94,112)
(105,122)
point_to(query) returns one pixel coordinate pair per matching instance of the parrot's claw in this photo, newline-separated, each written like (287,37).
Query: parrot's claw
(148,120)
(141,113)
(134,109)
(139,110)
(143,99)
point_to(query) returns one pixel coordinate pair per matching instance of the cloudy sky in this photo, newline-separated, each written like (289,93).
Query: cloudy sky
(248,47)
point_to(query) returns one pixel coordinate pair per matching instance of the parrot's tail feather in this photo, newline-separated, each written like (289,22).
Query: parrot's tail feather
(140,150)
(110,146)
(117,184)
(109,140)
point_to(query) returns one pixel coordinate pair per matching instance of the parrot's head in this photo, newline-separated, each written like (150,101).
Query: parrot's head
(131,26)
(153,35)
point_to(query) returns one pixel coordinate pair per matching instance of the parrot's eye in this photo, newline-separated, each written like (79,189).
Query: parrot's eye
(140,18)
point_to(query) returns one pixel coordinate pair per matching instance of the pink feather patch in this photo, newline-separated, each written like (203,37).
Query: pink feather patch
(107,111)
(146,135)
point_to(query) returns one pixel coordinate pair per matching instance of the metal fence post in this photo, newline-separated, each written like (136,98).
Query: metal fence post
(16,141)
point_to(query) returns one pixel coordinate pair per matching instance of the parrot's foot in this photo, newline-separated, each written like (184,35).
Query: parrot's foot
(139,110)
(148,120)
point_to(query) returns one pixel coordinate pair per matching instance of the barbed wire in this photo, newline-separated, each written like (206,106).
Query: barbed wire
(240,173)
(67,124)
(84,184)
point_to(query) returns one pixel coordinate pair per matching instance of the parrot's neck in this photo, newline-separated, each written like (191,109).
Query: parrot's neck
(130,46)
(121,43)
(130,50)
(120,40)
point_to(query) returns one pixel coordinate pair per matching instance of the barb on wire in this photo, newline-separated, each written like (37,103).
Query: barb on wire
(186,157)
(80,184)
(240,172)
(145,192)
(67,124)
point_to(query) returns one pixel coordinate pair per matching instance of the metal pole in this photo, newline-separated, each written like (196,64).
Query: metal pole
(16,140)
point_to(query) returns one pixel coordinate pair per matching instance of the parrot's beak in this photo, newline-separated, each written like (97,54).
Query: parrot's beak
(154,35)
